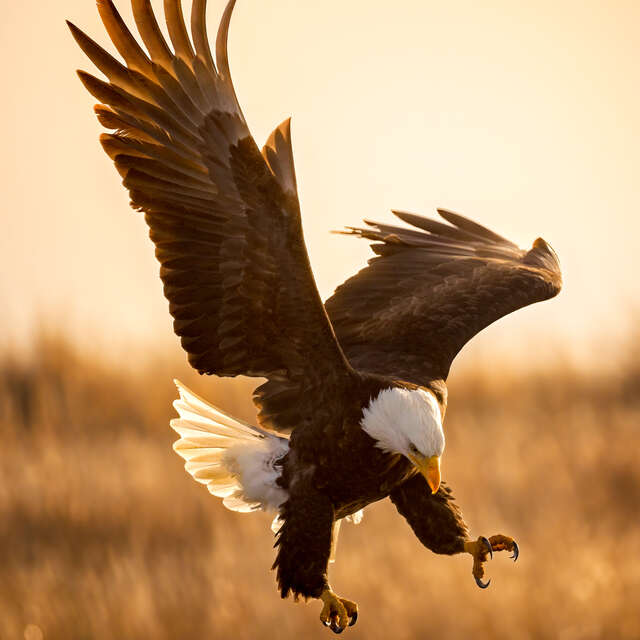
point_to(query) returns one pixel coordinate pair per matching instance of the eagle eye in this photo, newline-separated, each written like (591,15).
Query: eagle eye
(413,448)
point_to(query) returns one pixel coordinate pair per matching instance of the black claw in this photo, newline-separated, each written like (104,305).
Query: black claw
(489,547)
(516,551)
(481,584)
(335,628)
(354,619)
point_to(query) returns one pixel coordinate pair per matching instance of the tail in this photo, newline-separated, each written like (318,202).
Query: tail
(232,458)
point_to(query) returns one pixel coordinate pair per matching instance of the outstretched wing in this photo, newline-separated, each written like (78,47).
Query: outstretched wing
(223,216)
(430,290)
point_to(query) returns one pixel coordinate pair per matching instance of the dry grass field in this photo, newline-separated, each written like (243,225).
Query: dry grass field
(103,536)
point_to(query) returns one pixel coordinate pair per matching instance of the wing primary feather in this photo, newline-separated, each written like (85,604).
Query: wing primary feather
(125,43)
(188,77)
(121,101)
(180,97)
(389,234)
(104,61)
(133,82)
(159,96)
(142,131)
(473,227)
(178,31)
(150,32)
(222,55)
(123,127)
(436,227)
(199,33)
(108,94)
(403,234)
(206,86)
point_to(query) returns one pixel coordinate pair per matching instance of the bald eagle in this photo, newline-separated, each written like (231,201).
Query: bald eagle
(355,395)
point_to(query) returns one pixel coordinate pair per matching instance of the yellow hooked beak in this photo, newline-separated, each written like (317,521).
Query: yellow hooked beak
(429,468)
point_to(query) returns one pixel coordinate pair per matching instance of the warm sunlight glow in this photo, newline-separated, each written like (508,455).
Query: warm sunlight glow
(522,115)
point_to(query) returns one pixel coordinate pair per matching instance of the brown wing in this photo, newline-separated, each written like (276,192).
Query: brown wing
(224,218)
(430,290)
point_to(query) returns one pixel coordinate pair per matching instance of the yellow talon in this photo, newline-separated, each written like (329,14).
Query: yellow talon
(482,549)
(337,611)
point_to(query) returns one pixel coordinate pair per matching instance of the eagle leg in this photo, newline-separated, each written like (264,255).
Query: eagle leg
(337,613)
(483,548)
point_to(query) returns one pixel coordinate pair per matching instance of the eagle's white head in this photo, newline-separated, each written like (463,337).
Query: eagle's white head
(408,422)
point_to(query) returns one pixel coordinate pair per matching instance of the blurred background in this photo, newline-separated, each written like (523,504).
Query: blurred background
(521,115)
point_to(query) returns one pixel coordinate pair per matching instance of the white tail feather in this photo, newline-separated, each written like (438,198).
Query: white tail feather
(233,459)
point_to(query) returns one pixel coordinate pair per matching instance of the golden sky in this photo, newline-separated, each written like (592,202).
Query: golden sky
(521,114)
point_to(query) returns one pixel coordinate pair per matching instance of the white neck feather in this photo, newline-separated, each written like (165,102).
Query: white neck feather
(397,418)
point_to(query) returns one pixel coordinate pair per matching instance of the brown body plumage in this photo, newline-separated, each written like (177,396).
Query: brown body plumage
(225,220)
